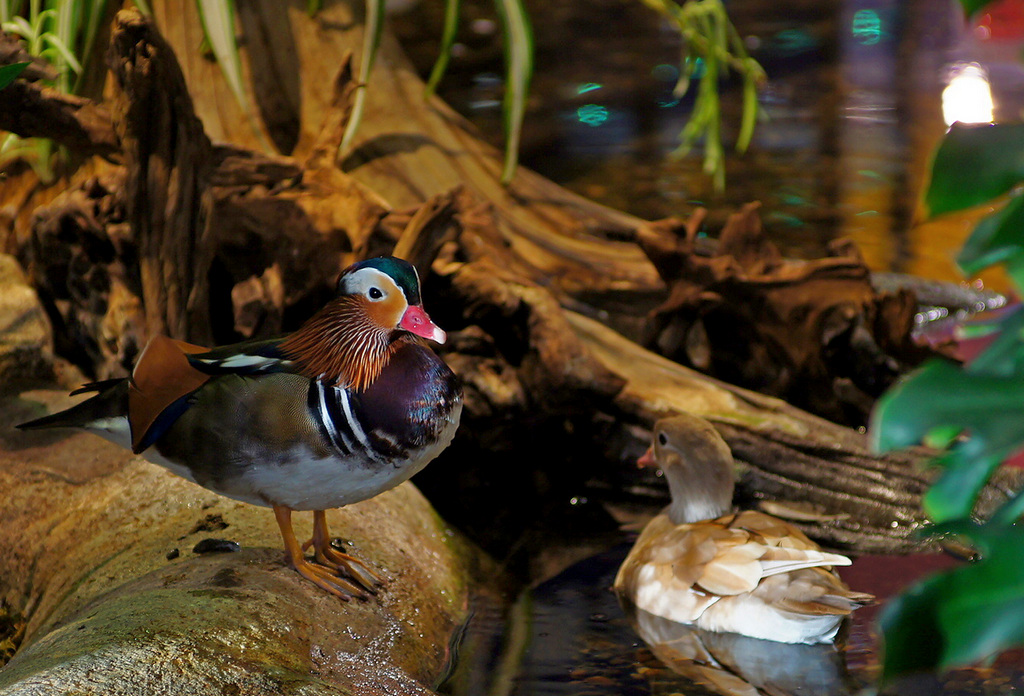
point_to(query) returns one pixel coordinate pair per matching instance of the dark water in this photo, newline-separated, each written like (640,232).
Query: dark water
(569,635)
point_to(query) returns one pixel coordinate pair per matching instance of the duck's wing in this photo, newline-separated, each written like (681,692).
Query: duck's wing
(169,371)
(160,381)
(785,548)
(246,358)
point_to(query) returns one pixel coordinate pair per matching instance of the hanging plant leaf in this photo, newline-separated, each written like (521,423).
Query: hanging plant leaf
(218,19)
(974,164)
(518,72)
(371,42)
(451,26)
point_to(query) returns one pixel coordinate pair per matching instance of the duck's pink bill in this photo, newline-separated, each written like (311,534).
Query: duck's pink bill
(416,321)
(646,459)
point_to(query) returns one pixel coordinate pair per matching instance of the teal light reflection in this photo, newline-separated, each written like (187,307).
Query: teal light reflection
(588,87)
(592,114)
(867,27)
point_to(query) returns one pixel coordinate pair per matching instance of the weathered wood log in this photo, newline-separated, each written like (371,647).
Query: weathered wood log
(120,598)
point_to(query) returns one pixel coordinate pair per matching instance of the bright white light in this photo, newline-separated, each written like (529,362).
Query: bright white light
(968,96)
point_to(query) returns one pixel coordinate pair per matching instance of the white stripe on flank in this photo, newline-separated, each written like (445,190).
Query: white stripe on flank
(325,416)
(357,430)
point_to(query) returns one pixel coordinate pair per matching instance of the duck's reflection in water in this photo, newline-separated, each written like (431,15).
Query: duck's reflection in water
(735,665)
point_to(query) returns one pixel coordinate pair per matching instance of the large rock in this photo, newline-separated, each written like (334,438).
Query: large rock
(25,351)
(96,547)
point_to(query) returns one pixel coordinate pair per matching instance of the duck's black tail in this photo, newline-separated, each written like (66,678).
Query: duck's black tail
(111,401)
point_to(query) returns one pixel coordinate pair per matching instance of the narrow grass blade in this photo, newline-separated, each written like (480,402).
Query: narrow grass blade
(451,26)
(371,42)
(518,71)
(218,19)
(94,12)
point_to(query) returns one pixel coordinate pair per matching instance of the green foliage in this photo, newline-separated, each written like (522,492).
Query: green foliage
(971,7)
(963,616)
(218,20)
(9,73)
(711,47)
(974,164)
(374,25)
(58,31)
(975,412)
(518,71)
(444,51)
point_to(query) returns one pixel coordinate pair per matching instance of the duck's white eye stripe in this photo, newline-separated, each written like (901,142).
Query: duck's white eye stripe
(370,283)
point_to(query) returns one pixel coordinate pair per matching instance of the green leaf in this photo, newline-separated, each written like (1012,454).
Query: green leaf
(371,42)
(996,239)
(218,19)
(518,72)
(9,73)
(94,15)
(451,26)
(974,164)
(1004,356)
(953,494)
(971,7)
(963,616)
(911,635)
(987,406)
(991,407)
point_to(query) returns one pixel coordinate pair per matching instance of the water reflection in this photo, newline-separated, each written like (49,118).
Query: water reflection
(733,665)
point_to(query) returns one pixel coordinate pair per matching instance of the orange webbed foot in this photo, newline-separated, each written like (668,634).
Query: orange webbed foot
(330,567)
(330,557)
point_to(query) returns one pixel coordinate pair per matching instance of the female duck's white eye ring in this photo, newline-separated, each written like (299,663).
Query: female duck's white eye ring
(662,439)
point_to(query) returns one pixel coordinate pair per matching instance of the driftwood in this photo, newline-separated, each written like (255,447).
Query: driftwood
(816,333)
(216,243)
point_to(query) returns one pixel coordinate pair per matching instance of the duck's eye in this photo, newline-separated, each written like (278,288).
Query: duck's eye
(375,293)
(662,439)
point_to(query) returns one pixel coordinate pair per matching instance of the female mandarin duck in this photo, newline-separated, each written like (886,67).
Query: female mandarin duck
(746,573)
(348,406)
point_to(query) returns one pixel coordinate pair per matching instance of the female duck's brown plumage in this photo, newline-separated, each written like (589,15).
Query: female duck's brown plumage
(747,572)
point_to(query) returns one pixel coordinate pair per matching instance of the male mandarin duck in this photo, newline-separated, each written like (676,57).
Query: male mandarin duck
(348,406)
(748,572)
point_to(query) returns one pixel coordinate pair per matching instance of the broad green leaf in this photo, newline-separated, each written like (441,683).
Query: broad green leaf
(1004,356)
(954,492)
(451,26)
(9,73)
(974,164)
(941,393)
(911,635)
(371,41)
(962,616)
(996,239)
(518,72)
